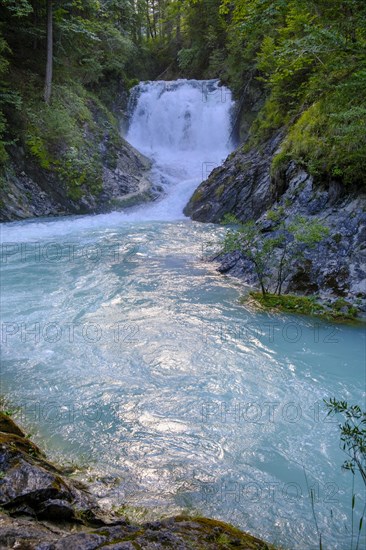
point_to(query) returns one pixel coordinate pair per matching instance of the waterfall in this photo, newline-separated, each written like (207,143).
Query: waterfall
(184,127)
(123,350)
(184,116)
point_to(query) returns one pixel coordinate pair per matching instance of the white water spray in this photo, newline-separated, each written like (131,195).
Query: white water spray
(184,127)
(151,368)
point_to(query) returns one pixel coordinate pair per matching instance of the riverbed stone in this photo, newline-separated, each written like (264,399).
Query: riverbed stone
(42,509)
(241,186)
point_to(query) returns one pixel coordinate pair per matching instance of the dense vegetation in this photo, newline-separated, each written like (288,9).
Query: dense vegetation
(63,68)
(311,59)
(307,59)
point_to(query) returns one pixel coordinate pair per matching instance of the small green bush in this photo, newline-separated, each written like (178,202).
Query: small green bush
(276,215)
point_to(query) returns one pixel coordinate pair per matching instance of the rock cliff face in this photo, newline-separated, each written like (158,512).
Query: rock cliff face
(27,189)
(244,187)
(241,186)
(31,191)
(41,509)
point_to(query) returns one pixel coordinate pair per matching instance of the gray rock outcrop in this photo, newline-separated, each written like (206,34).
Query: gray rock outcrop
(41,509)
(244,186)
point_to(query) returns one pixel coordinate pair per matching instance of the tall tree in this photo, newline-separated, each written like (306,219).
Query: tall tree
(49,64)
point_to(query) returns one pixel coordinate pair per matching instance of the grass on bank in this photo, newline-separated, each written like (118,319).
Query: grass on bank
(340,310)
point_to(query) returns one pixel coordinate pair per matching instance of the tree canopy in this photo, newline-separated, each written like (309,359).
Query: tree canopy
(308,59)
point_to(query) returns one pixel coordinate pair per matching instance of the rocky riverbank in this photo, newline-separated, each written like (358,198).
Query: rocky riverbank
(43,509)
(108,174)
(247,187)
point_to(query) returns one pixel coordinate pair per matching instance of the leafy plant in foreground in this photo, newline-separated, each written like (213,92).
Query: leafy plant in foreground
(353,443)
(273,256)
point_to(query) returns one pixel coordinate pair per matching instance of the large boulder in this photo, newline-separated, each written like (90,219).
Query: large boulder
(31,485)
(241,186)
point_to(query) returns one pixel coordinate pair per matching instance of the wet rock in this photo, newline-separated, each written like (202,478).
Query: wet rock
(80,541)
(241,186)
(122,546)
(7,425)
(46,511)
(22,533)
(229,261)
(30,485)
(28,190)
(56,509)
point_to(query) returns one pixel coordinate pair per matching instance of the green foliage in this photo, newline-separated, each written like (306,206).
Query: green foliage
(276,215)
(288,303)
(3,68)
(78,170)
(197,195)
(329,138)
(310,58)
(273,255)
(56,137)
(230,219)
(3,153)
(353,442)
(270,118)
(38,149)
(93,41)
(303,305)
(279,165)
(308,231)
(247,239)
(219,191)
(353,434)
(187,59)
(203,39)
(18,8)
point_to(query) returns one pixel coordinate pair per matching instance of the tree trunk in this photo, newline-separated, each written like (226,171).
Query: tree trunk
(264,292)
(49,65)
(35,21)
(178,36)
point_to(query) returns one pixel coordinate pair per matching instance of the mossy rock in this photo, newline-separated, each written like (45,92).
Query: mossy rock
(197,196)
(219,191)
(18,444)
(34,488)
(303,305)
(7,425)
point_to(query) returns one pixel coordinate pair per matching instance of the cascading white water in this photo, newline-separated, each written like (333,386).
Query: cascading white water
(185,128)
(188,116)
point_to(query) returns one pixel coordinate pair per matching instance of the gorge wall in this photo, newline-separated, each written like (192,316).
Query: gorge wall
(246,187)
(32,186)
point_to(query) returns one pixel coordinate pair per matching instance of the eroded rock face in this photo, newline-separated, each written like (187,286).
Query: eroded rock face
(241,186)
(28,190)
(30,485)
(44,510)
(179,533)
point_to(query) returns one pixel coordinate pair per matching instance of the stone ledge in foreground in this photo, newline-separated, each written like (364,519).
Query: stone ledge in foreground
(41,509)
